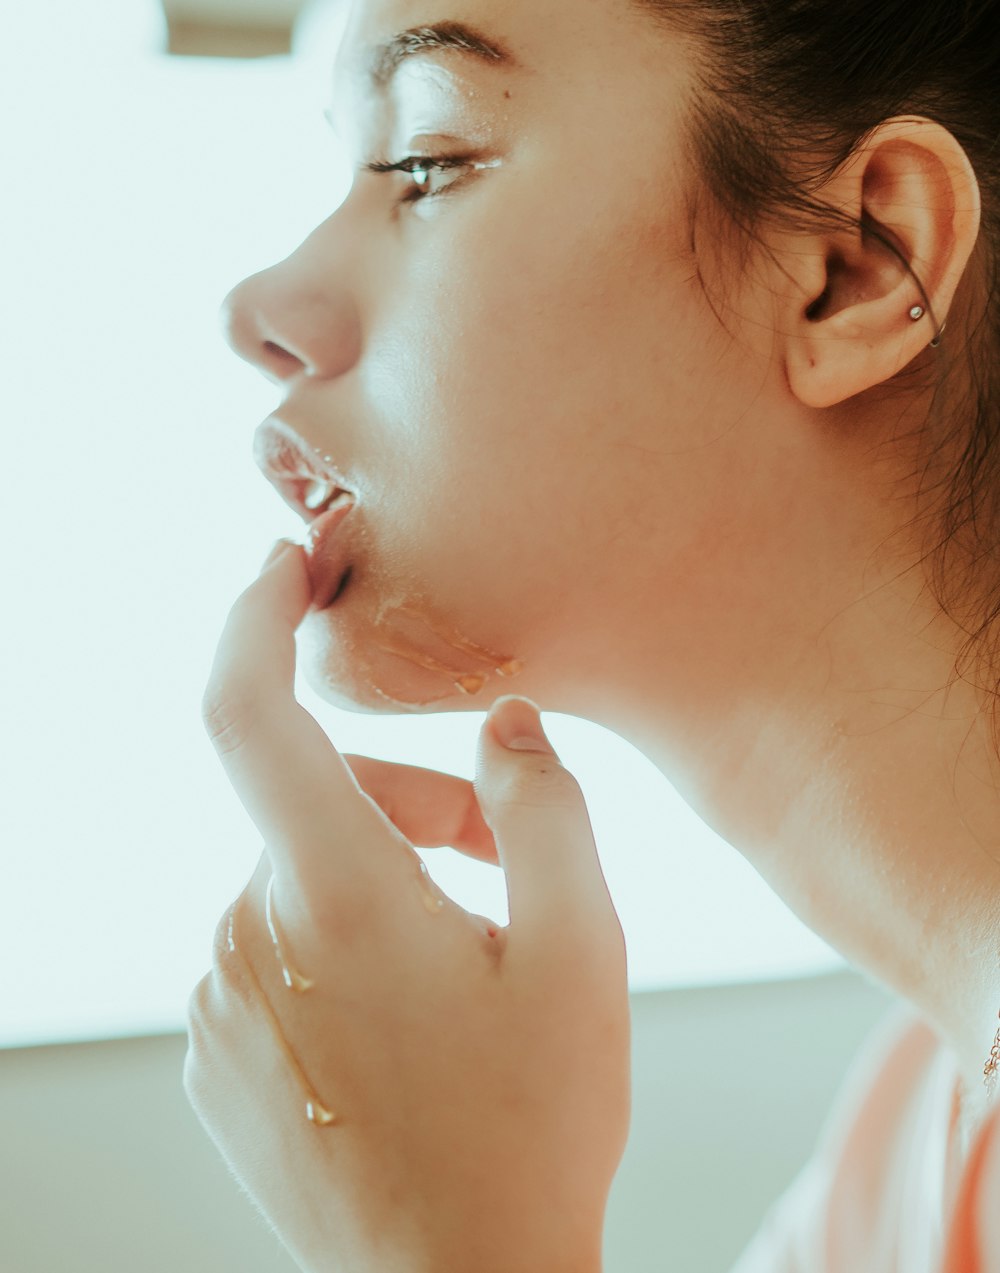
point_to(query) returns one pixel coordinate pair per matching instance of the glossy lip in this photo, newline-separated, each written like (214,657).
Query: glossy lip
(292,466)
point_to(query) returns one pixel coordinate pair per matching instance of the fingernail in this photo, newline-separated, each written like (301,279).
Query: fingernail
(279,547)
(517,725)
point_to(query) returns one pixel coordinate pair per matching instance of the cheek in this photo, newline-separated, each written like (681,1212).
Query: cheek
(536,352)
(545,378)
(574,321)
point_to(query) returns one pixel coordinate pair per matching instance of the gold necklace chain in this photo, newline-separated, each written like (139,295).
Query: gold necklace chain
(992,1066)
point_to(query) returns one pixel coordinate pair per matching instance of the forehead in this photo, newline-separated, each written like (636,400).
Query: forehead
(536,31)
(605,54)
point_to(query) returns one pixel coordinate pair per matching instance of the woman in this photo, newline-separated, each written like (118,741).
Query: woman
(655,348)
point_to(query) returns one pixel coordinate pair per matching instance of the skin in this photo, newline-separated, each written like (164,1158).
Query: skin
(671,489)
(478,1078)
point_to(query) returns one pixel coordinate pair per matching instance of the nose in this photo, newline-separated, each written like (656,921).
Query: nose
(286,322)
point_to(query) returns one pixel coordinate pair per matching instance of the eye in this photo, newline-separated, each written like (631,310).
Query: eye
(424,167)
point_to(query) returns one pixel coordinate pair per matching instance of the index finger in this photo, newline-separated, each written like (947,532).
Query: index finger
(316,821)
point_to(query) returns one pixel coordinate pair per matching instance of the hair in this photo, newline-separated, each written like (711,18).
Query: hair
(785,92)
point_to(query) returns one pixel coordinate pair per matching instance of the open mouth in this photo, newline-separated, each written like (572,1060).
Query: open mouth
(306,483)
(328,551)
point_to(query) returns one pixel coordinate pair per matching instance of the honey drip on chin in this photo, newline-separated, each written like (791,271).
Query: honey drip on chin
(467,682)
(316,1111)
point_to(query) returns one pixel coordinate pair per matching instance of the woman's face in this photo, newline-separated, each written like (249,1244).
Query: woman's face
(557,448)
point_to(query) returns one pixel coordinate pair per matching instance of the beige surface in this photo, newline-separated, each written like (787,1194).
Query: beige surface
(201,39)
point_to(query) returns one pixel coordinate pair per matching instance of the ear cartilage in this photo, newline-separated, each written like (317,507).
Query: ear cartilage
(917,312)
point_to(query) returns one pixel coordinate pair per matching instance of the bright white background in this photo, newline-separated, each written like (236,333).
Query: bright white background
(138,189)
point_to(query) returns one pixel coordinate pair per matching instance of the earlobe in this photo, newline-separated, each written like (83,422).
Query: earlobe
(888,283)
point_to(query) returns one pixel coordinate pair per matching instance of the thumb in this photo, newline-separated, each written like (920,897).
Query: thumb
(556,890)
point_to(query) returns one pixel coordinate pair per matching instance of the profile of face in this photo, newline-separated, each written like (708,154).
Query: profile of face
(566,468)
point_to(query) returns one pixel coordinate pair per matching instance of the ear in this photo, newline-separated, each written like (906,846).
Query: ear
(848,326)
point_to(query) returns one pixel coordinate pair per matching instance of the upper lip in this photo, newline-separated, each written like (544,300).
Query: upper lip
(293,467)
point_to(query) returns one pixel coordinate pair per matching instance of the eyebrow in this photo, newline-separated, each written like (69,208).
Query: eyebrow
(453,37)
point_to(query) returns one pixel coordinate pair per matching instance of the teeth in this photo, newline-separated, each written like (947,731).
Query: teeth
(318,493)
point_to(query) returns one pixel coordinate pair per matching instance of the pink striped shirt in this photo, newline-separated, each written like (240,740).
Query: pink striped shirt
(890,1187)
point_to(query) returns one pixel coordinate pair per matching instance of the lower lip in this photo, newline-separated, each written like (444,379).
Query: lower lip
(327,552)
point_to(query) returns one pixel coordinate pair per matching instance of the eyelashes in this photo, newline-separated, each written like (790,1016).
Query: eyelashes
(413,165)
(425,166)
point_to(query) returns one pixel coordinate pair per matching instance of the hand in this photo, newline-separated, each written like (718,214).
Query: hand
(430,808)
(479,1075)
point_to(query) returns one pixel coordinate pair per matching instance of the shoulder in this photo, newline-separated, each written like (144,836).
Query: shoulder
(896,1059)
(987,1193)
(974,1235)
(866,1176)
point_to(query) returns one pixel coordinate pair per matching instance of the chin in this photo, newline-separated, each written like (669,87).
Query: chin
(404,659)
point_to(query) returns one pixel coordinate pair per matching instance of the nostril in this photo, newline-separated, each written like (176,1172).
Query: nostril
(276,361)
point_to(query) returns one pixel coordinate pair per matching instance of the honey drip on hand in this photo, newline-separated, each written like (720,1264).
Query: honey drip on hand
(316,1111)
(432,895)
(293,980)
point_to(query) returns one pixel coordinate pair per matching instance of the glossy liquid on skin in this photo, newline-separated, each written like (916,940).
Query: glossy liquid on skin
(467,681)
(316,1111)
(396,603)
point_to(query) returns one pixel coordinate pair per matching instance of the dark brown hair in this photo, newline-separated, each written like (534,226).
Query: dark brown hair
(786,90)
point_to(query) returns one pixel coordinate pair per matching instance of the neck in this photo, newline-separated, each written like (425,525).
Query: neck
(874,814)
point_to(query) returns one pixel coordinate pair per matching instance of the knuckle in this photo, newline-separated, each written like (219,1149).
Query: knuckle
(193,1076)
(224,983)
(227,716)
(189,1075)
(194,1059)
(545,783)
(220,940)
(196,1004)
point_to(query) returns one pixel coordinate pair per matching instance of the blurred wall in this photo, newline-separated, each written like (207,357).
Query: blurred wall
(230,28)
(105,1169)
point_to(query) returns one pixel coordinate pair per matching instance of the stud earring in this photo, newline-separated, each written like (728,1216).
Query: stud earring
(916,314)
